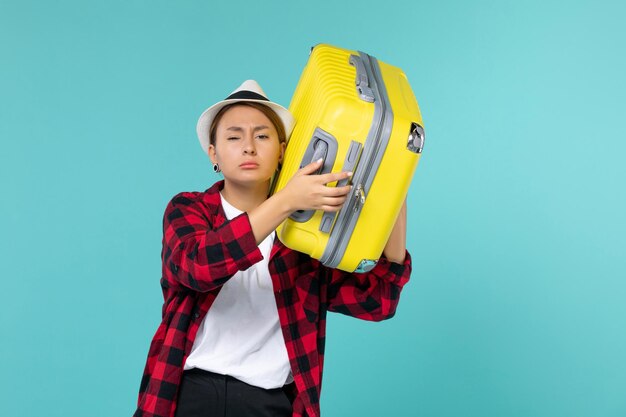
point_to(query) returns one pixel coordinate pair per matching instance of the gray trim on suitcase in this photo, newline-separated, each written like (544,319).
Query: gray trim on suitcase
(349,163)
(371,157)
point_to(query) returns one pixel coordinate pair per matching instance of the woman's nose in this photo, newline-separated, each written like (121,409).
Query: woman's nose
(248,146)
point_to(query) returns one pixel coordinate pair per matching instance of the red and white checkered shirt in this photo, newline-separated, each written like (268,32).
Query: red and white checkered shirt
(202,250)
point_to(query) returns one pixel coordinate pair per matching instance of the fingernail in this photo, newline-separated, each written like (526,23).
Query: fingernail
(319,160)
(349,174)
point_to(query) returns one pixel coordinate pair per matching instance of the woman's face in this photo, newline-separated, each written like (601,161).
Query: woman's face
(246,147)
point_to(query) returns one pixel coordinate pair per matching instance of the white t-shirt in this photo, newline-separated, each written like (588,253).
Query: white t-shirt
(240,336)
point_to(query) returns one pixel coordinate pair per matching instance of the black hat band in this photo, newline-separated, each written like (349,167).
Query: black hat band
(246,95)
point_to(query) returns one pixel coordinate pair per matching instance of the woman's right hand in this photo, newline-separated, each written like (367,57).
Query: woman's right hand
(307,191)
(304,191)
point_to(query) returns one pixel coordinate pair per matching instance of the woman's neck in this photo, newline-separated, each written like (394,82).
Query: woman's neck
(243,197)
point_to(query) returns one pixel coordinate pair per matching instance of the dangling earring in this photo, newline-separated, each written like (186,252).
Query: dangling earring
(216,168)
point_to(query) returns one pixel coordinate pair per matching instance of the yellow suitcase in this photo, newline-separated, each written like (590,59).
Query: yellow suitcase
(360,115)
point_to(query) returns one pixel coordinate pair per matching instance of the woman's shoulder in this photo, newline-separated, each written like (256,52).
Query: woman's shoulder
(206,200)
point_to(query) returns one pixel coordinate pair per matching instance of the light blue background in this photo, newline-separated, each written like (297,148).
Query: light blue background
(516,305)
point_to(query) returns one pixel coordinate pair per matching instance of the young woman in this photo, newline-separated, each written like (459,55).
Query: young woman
(244,317)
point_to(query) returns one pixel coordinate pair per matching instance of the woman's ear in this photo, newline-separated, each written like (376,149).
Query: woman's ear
(283,146)
(212,155)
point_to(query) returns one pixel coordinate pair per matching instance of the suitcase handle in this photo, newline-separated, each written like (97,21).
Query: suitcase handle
(321,151)
(362,81)
(322,145)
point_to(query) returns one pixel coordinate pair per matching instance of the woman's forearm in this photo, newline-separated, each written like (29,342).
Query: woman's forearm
(395,248)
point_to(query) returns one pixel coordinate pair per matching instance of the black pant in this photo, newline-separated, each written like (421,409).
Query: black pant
(206,394)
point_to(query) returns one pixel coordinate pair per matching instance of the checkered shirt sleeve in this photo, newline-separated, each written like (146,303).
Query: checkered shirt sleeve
(371,296)
(200,256)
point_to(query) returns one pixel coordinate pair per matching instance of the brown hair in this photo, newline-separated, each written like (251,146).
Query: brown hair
(278,124)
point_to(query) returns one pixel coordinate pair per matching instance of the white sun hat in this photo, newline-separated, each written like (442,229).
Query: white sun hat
(251,91)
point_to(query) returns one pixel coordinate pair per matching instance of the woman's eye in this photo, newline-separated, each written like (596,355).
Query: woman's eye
(262,136)
(232,138)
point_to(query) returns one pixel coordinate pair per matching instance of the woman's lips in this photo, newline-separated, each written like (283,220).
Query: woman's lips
(249,165)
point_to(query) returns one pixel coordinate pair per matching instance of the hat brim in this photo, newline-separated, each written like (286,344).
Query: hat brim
(206,118)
